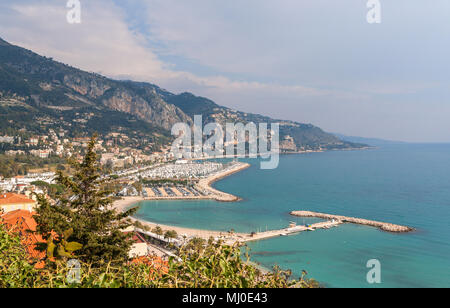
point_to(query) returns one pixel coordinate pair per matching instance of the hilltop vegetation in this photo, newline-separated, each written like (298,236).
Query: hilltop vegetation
(38,93)
(214,266)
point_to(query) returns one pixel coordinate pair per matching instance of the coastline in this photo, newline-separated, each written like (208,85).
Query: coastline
(231,237)
(285,153)
(227,237)
(269,252)
(205,184)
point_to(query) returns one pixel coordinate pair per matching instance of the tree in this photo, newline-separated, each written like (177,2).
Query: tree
(215,266)
(86,209)
(109,166)
(170,234)
(15,268)
(138,186)
(158,231)
(196,244)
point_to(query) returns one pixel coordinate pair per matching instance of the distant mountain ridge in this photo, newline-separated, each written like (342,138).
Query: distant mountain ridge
(34,89)
(369,141)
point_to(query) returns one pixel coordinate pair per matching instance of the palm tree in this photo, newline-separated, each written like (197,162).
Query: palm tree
(158,231)
(170,235)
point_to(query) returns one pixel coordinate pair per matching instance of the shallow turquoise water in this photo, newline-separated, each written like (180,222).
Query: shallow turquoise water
(404,184)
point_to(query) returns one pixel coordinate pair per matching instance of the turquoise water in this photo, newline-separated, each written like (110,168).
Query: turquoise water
(403,184)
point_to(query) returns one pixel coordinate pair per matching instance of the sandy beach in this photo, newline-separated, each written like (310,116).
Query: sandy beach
(204,184)
(188,232)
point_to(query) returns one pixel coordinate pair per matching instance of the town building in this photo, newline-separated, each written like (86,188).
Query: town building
(10,202)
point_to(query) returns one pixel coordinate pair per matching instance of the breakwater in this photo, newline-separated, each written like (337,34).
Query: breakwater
(344,219)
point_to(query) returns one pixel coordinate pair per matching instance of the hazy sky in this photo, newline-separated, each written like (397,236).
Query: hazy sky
(313,61)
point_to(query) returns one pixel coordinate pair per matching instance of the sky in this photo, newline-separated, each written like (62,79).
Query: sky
(312,61)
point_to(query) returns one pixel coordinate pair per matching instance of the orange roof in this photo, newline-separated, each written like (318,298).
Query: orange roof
(158,264)
(23,223)
(12,198)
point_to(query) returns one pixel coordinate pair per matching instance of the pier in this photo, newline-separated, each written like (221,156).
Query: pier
(332,221)
(344,219)
(289,231)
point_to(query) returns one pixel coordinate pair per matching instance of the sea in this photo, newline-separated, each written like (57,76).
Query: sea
(406,184)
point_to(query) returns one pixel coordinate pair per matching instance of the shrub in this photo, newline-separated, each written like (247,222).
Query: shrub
(215,266)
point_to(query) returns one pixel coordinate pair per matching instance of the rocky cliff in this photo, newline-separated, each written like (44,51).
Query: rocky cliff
(60,92)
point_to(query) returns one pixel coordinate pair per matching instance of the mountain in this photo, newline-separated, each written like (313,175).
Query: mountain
(38,93)
(305,136)
(369,141)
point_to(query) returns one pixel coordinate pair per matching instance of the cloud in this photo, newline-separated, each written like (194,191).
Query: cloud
(318,43)
(310,61)
(101,43)
(104,43)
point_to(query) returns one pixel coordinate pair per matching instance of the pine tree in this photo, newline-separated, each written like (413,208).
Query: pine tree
(86,208)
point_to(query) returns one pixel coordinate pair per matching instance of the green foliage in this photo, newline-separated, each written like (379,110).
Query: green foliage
(63,248)
(20,164)
(214,265)
(196,244)
(15,268)
(85,207)
(53,190)
(157,230)
(170,234)
(138,186)
(220,266)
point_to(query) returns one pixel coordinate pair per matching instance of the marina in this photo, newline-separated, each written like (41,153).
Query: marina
(202,190)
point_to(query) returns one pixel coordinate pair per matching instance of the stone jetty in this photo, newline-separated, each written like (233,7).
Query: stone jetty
(288,231)
(344,219)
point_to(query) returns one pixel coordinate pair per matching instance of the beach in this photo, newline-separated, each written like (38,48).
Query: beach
(214,194)
(229,238)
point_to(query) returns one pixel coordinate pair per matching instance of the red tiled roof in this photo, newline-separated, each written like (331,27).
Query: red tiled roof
(158,264)
(12,198)
(22,222)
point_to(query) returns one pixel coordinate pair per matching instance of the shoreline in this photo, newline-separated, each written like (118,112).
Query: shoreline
(232,237)
(228,238)
(284,153)
(205,184)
